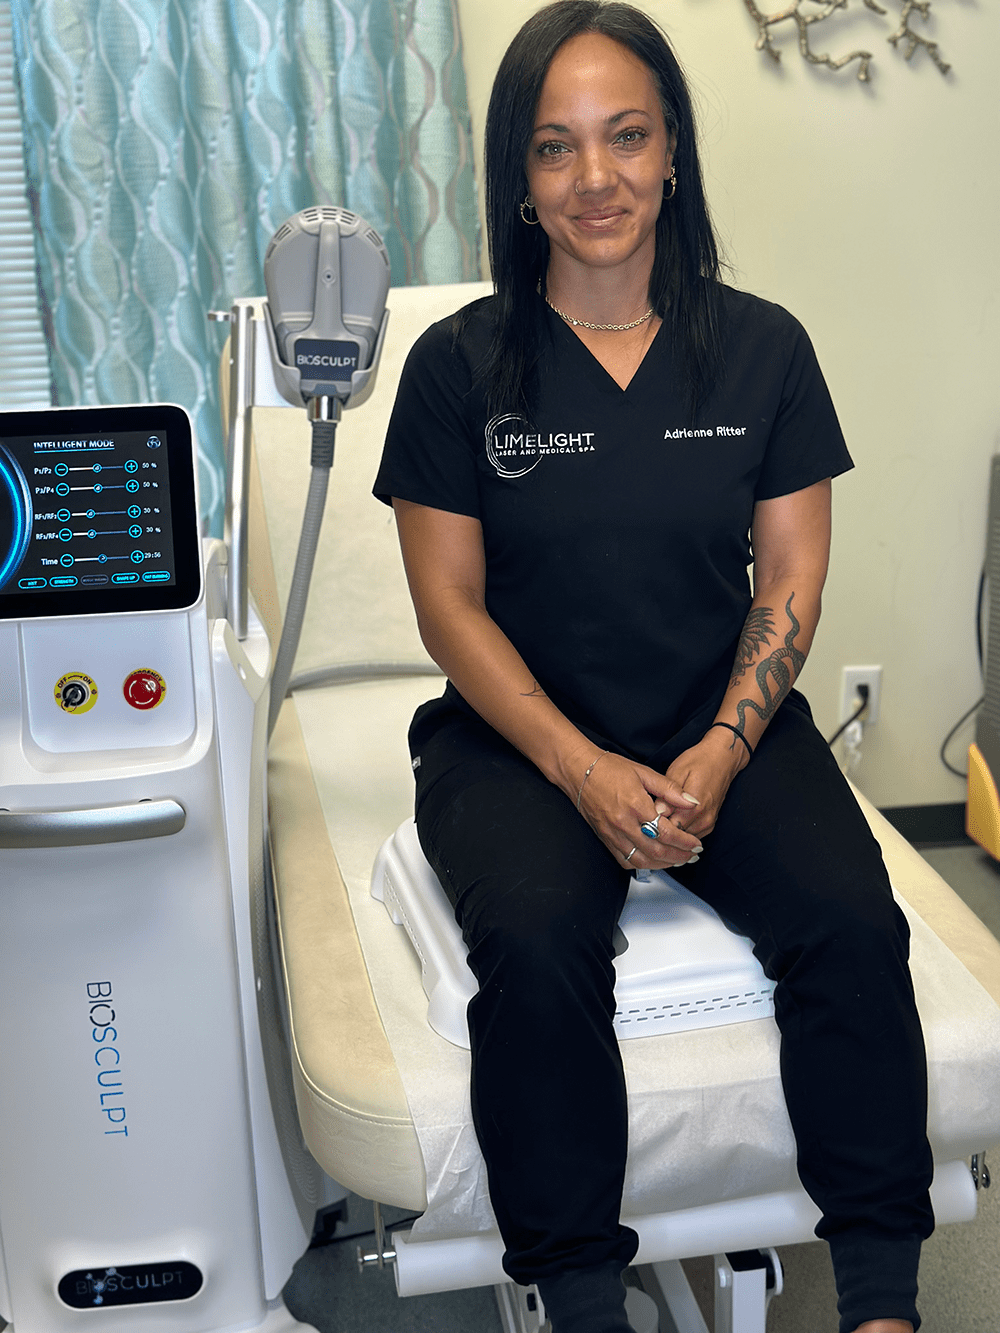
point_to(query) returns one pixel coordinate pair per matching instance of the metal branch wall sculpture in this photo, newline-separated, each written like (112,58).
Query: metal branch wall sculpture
(912,39)
(823,9)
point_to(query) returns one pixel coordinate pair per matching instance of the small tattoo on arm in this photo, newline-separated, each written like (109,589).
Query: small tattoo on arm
(781,667)
(757,633)
(536,693)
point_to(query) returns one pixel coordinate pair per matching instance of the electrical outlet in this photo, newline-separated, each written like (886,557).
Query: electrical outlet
(851,678)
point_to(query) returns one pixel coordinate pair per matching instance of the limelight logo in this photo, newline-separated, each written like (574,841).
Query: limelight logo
(514,448)
(505,446)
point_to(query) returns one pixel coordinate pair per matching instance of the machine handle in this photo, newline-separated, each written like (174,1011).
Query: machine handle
(88,828)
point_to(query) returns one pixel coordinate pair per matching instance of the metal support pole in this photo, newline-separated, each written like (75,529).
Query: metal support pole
(745,1280)
(679,1297)
(980,1171)
(242,333)
(383,1253)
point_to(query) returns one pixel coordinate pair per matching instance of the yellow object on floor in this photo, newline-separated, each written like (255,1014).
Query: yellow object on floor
(982,814)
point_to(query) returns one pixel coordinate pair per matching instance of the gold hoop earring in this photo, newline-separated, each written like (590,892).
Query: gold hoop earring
(528,204)
(672,181)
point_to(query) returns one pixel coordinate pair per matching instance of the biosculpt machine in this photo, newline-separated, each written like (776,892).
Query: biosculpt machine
(152,1174)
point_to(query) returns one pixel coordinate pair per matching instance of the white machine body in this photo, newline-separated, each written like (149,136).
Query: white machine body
(142,1177)
(677,965)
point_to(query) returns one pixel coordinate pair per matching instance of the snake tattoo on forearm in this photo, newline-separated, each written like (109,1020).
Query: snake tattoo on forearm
(783,665)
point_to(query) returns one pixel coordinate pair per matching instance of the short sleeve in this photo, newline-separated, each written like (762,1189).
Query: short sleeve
(806,443)
(429,456)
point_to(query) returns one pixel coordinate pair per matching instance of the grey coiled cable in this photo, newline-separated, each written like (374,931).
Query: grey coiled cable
(352,673)
(323,436)
(282,681)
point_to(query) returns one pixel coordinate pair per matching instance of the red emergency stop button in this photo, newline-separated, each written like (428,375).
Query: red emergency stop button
(144,689)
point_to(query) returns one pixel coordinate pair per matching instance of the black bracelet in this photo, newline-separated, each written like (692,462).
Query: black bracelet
(736,732)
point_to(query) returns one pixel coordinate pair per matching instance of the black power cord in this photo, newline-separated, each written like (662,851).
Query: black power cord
(959,773)
(862,691)
(963,773)
(329,1235)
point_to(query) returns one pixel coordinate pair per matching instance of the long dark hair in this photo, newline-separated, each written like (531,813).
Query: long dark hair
(683,286)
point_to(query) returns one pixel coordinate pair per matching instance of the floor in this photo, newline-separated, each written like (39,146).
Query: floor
(327,1291)
(959,1278)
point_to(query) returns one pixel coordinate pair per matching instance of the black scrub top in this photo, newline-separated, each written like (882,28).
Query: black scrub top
(616,531)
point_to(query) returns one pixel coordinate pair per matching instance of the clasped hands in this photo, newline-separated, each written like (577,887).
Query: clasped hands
(620,795)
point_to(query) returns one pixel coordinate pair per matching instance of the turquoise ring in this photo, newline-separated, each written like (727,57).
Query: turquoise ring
(650,829)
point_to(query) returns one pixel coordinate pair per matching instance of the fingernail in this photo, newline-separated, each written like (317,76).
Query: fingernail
(699,849)
(688,797)
(692,859)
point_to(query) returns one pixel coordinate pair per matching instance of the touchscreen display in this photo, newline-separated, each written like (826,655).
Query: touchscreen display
(97,511)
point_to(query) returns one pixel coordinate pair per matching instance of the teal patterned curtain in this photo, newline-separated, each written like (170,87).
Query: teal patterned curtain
(166,140)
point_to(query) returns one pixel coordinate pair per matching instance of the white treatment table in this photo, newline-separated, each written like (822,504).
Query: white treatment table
(383,1101)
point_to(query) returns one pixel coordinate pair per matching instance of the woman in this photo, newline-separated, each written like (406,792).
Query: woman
(576,465)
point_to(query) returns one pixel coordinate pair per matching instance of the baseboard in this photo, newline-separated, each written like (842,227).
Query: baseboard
(930,825)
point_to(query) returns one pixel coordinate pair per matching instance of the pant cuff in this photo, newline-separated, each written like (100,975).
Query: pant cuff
(586,1300)
(876,1277)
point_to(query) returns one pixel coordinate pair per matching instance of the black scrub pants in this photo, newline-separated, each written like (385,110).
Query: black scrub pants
(793,865)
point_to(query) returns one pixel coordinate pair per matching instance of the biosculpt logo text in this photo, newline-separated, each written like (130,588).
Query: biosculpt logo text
(107,1056)
(130,1284)
(326,360)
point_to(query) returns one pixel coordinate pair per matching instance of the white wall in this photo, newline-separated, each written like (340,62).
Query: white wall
(872,213)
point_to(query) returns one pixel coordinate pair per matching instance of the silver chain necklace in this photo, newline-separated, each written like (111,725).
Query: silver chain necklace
(602,328)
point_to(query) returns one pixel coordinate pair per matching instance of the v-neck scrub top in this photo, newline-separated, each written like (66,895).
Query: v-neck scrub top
(616,530)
